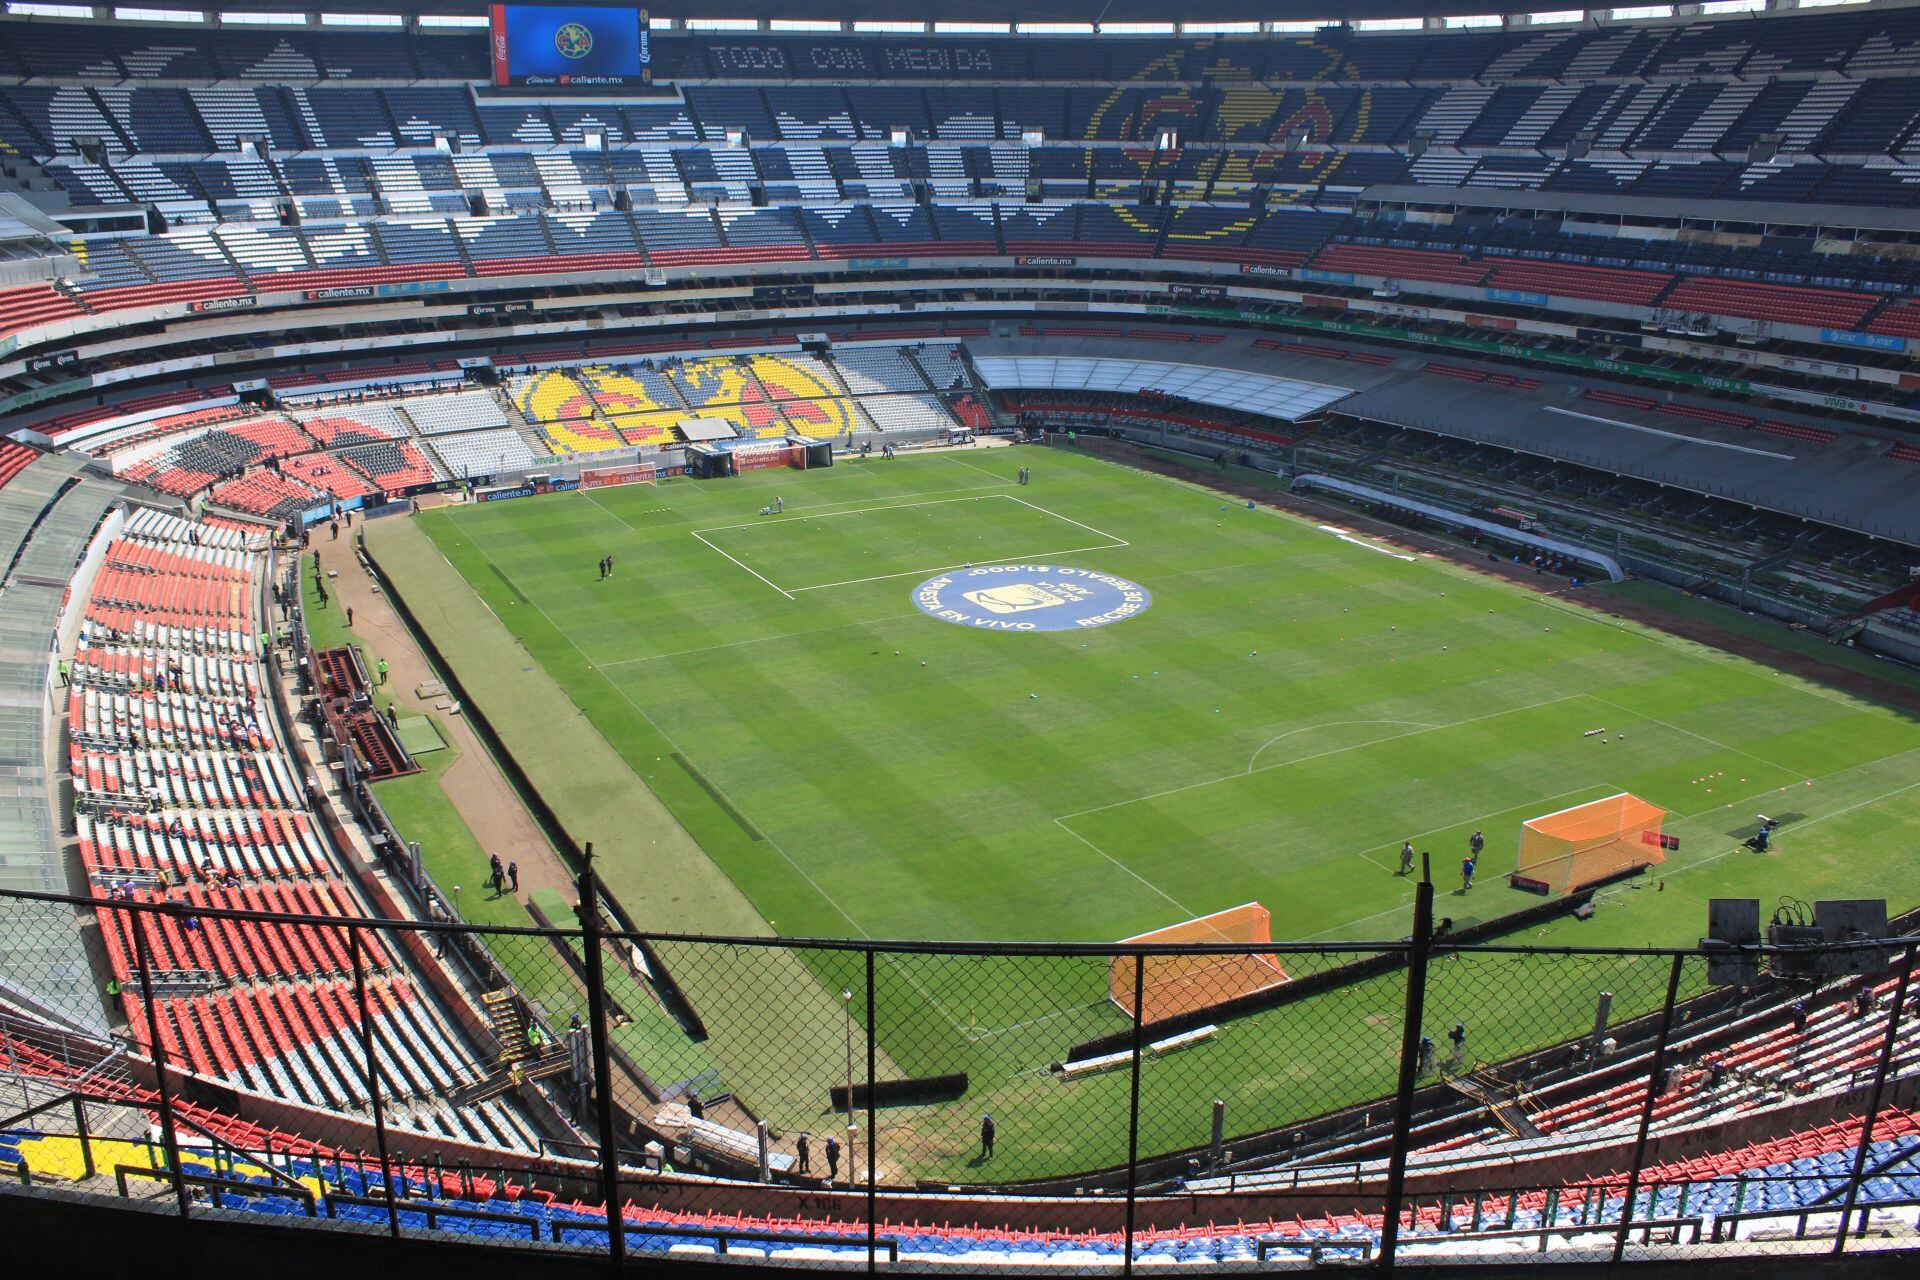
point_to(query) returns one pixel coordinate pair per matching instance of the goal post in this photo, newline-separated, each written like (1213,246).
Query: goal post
(1177,984)
(1570,848)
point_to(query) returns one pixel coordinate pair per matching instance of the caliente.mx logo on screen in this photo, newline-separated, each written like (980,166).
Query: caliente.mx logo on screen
(1030,597)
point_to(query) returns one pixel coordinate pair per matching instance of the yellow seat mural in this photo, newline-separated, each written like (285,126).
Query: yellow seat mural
(564,412)
(654,429)
(809,400)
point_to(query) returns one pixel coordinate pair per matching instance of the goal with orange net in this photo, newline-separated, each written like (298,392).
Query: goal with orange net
(1571,848)
(1177,984)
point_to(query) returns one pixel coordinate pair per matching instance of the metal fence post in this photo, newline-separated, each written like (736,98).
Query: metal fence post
(873,1219)
(1873,1107)
(169,1142)
(373,1080)
(602,1063)
(1133,1104)
(1656,1073)
(1418,955)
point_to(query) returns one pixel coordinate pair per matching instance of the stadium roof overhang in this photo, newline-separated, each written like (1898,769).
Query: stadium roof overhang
(958,11)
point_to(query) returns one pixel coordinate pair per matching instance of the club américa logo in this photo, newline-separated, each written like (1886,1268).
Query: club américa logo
(573,40)
(1030,597)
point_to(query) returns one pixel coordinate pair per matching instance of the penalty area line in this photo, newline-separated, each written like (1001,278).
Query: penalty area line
(818,513)
(945,568)
(755,572)
(1098,533)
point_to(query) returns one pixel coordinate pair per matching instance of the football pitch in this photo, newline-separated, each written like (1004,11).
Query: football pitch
(1292,704)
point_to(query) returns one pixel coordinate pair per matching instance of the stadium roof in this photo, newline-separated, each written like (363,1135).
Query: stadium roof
(1107,12)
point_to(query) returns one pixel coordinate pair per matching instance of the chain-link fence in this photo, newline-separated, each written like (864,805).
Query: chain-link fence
(857,1104)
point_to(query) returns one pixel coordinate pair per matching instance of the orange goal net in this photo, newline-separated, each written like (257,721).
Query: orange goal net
(1177,984)
(1564,850)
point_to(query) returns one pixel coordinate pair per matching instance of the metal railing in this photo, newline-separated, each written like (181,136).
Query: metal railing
(1428,1094)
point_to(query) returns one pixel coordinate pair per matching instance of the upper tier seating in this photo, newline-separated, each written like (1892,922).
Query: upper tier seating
(1412,264)
(1786,304)
(1606,284)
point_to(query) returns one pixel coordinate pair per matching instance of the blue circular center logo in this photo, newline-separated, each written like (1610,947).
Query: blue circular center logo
(1030,597)
(573,40)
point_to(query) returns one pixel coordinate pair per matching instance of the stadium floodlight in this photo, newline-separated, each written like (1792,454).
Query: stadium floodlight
(723,24)
(1054,28)
(1556,16)
(1472,20)
(453,20)
(28,9)
(889,27)
(362,20)
(245,19)
(1389,24)
(1639,12)
(803,24)
(972,28)
(159,15)
(1136,28)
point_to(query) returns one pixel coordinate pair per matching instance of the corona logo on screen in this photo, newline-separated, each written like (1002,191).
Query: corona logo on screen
(1030,597)
(573,40)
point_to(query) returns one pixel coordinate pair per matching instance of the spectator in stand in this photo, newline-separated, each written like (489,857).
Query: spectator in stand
(1799,1017)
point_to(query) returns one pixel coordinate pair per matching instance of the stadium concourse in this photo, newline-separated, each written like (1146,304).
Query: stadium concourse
(1595,294)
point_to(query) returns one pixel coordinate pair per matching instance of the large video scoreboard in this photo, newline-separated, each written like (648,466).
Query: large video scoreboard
(568,46)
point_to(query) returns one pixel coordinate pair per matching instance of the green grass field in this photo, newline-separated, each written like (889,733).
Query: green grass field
(1291,707)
